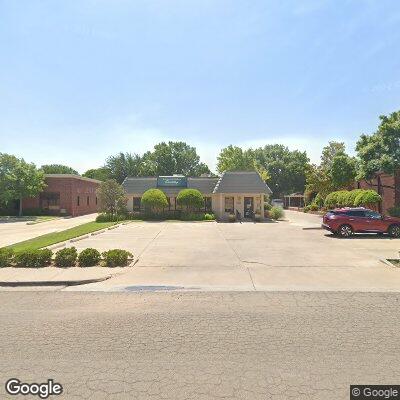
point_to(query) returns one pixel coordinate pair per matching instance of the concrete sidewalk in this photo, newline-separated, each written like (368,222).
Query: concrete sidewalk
(52,276)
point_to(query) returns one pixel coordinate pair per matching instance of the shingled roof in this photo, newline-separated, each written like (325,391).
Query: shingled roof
(241,182)
(139,185)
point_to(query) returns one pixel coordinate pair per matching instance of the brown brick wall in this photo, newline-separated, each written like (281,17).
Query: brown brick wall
(389,189)
(69,189)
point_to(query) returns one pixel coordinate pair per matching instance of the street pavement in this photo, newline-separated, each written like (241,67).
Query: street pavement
(14,232)
(183,346)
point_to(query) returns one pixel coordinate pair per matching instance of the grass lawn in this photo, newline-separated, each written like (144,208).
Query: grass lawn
(56,237)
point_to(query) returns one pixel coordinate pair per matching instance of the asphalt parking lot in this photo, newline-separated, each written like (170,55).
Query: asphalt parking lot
(285,255)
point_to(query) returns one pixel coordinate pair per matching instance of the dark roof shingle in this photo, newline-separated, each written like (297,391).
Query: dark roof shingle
(241,182)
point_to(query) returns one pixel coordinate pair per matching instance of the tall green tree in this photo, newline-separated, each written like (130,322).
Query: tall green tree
(101,173)
(111,195)
(173,158)
(380,152)
(342,171)
(330,151)
(19,179)
(122,165)
(233,158)
(58,169)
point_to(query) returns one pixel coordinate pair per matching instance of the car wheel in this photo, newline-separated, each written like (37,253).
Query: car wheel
(394,231)
(345,231)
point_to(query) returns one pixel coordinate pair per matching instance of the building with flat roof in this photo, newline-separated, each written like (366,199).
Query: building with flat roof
(233,191)
(65,194)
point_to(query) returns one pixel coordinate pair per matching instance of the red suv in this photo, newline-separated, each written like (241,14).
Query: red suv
(346,221)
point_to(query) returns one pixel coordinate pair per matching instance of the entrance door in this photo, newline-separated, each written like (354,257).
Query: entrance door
(248,207)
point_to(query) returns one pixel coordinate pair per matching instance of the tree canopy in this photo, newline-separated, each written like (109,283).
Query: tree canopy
(111,195)
(19,179)
(101,174)
(190,198)
(380,152)
(58,169)
(122,165)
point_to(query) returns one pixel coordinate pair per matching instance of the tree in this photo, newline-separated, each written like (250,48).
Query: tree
(329,152)
(282,169)
(154,200)
(101,174)
(58,169)
(111,197)
(190,198)
(233,158)
(380,152)
(172,158)
(342,171)
(122,165)
(19,179)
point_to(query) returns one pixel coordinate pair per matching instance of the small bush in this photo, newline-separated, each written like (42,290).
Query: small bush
(331,200)
(319,201)
(66,257)
(209,217)
(394,212)
(267,206)
(314,207)
(6,257)
(33,258)
(116,258)
(351,197)
(306,209)
(190,198)
(154,200)
(276,213)
(89,257)
(342,198)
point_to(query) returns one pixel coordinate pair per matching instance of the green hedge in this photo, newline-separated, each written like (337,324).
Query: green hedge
(66,257)
(116,258)
(394,212)
(6,257)
(89,257)
(352,198)
(190,198)
(33,258)
(154,200)
(276,213)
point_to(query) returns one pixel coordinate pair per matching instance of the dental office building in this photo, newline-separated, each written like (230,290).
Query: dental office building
(241,191)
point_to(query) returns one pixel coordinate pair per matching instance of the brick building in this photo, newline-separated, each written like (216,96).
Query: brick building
(66,195)
(388,186)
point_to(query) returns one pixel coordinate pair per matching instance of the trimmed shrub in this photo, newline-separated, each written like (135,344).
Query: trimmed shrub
(331,200)
(6,257)
(154,200)
(267,206)
(66,257)
(33,258)
(306,209)
(209,217)
(314,207)
(342,198)
(352,196)
(89,258)
(116,258)
(394,212)
(276,213)
(367,198)
(110,217)
(190,198)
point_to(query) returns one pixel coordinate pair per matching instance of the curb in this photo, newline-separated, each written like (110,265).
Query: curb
(52,283)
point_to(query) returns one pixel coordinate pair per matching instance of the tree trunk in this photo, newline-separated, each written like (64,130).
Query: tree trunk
(20,207)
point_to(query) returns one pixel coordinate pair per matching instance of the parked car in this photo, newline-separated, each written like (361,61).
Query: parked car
(277,203)
(347,221)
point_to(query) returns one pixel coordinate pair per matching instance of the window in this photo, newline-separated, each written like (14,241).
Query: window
(87,200)
(207,204)
(49,200)
(78,200)
(356,213)
(229,204)
(373,215)
(136,203)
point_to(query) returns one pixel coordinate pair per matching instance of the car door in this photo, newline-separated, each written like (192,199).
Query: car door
(357,220)
(374,221)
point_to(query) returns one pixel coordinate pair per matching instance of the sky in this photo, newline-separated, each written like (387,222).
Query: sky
(81,80)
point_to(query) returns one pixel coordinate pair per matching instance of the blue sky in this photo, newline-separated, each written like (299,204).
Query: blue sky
(84,79)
